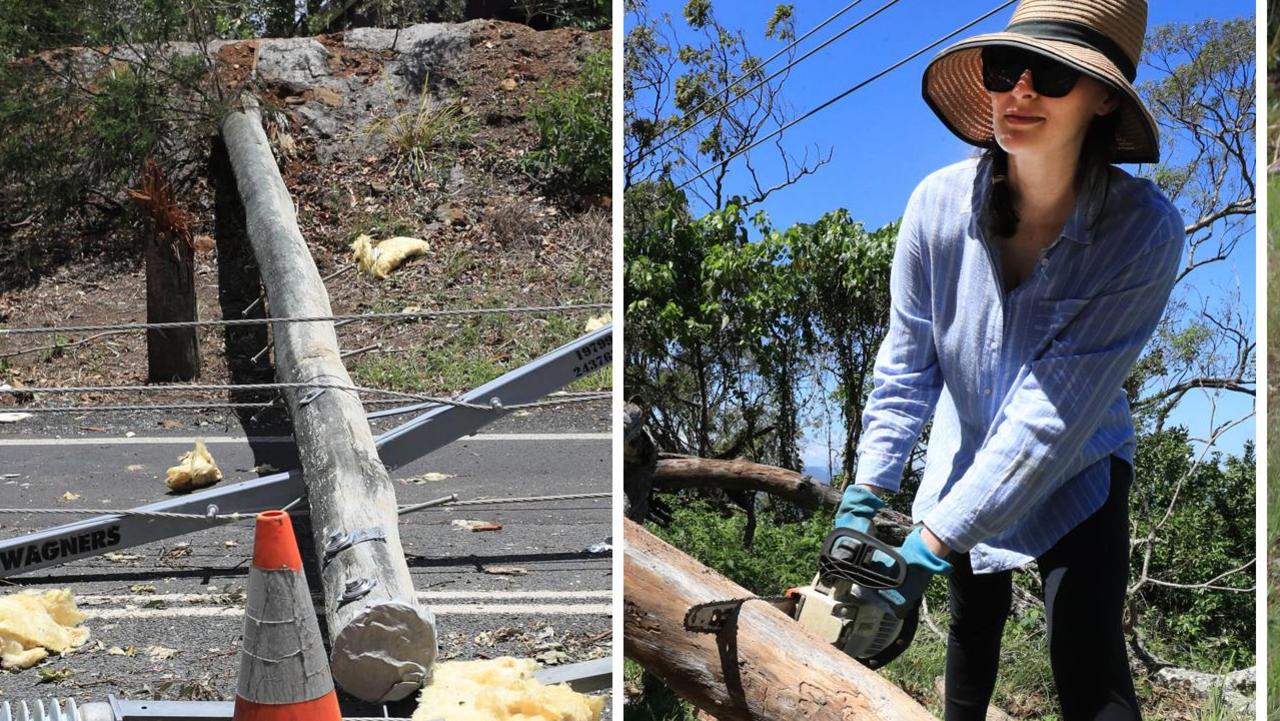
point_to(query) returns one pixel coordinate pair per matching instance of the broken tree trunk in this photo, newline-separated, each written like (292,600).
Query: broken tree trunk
(383,641)
(173,354)
(761,666)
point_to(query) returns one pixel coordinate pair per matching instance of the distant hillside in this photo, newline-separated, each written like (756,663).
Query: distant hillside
(819,473)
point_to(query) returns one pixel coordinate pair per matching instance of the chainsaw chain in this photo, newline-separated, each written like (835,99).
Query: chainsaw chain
(709,617)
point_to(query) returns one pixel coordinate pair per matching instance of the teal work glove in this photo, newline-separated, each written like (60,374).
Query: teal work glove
(858,506)
(922,566)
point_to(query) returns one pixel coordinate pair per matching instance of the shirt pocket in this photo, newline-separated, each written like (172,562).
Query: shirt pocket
(1052,315)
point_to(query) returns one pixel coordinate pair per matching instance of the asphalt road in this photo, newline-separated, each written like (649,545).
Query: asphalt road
(166,617)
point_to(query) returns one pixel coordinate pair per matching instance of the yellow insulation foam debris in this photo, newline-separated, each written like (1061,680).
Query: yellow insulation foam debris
(195,469)
(379,260)
(32,624)
(501,689)
(595,323)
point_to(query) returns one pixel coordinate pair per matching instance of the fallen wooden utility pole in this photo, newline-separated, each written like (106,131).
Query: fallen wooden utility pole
(383,641)
(761,665)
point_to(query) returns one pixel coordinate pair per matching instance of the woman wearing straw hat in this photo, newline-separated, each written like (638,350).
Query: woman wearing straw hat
(1025,284)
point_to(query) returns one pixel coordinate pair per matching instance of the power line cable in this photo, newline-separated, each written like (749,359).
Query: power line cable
(450,500)
(850,91)
(245,387)
(744,76)
(761,83)
(547,402)
(779,54)
(414,315)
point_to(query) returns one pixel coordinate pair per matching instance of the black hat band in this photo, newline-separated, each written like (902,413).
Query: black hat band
(1078,34)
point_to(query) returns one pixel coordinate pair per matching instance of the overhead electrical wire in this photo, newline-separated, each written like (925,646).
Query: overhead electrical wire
(849,92)
(763,64)
(650,151)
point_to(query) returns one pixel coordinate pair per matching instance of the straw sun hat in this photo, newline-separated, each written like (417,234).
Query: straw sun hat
(1100,38)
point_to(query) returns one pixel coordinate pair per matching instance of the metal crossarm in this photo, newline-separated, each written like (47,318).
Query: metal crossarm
(441,426)
(438,427)
(107,533)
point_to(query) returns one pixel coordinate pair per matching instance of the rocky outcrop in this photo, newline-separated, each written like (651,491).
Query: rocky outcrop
(332,87)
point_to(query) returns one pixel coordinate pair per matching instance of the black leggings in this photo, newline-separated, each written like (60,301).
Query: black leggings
(1084,577)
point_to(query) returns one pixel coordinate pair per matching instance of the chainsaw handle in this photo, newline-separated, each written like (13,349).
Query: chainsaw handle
(856,560)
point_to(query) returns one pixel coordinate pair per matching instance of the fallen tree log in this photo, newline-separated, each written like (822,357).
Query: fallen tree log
(762,665)
(383,641)
(739,475)
(673,472)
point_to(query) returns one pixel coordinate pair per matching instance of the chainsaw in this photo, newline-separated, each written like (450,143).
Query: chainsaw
(844,605)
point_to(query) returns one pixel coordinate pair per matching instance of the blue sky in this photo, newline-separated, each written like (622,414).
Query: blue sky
(884,139)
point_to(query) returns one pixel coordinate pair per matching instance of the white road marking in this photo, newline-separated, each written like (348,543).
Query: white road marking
(214,440)
(140,441)
(215,598)
(512,609)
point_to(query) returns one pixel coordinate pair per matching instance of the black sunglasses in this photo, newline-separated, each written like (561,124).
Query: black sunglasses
(1002,66)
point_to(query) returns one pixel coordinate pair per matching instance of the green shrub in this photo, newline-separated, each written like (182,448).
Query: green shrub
(584,14)
(72,146)
(654,702)
(783,555)
(574,150)
(125,126)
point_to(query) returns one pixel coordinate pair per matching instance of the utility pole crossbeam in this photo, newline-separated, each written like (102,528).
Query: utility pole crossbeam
(554,370)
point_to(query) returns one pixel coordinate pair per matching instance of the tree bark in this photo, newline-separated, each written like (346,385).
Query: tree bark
(173,354)
(762,665)
(383,642)
(739,475)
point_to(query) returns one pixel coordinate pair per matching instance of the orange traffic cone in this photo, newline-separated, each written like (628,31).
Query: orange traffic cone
(284,673)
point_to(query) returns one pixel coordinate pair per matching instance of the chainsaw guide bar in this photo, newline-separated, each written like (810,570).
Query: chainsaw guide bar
(710,617)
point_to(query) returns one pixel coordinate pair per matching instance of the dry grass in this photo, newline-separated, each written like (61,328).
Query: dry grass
(415,135)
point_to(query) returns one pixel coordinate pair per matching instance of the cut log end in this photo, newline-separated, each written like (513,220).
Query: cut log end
(385,654)
(763,665)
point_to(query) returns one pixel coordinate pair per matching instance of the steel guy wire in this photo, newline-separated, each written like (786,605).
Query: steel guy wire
(556,399)
(850,91)
(545,403)
(532,499)
(550,400)
(316,385)
(450,500)
(650,151)
(198,406)
(416,315)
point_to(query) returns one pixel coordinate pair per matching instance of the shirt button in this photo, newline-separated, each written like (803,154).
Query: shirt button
(987,392)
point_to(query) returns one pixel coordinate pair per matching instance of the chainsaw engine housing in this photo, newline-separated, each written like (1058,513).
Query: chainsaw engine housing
(843,605)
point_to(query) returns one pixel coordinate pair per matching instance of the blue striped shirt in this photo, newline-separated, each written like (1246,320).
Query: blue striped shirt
(1024,385)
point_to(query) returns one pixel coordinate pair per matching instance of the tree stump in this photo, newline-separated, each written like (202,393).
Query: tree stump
(168,250)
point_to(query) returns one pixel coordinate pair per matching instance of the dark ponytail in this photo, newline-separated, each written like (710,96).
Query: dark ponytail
(1000,219)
